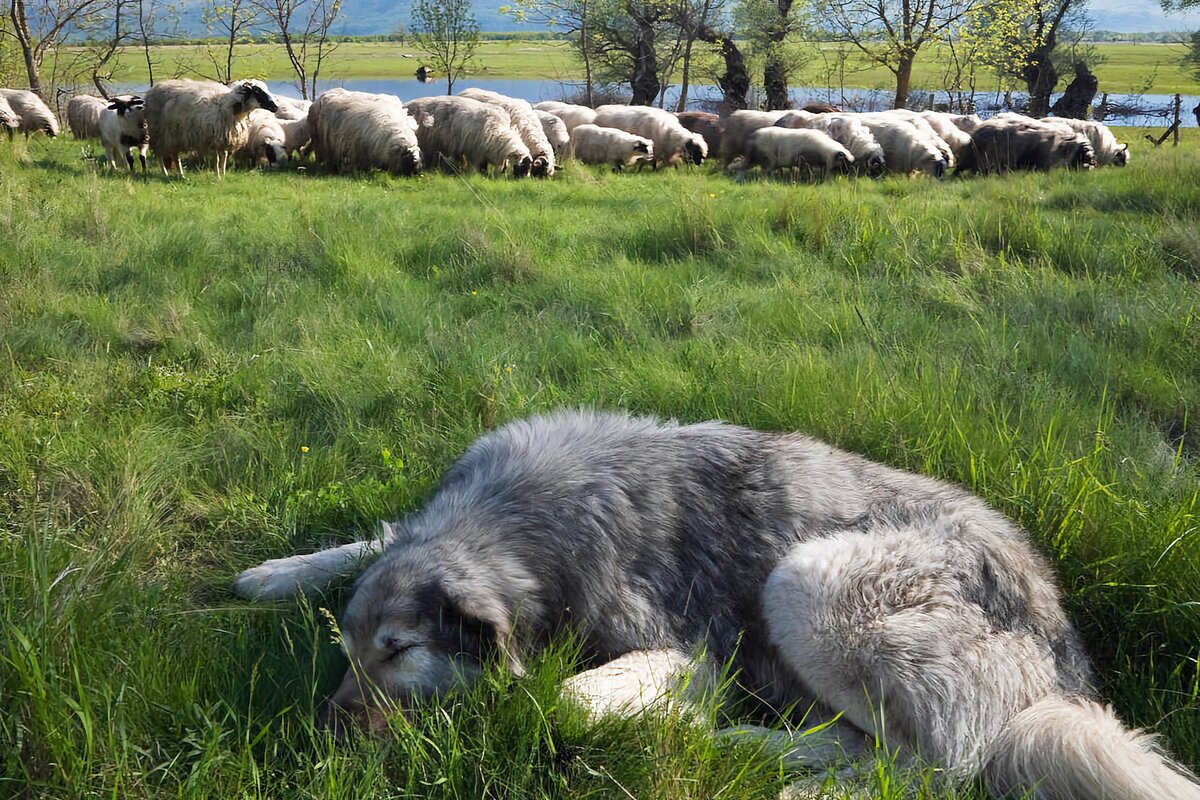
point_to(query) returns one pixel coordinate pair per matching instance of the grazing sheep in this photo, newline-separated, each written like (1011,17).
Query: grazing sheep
(266,142)
(571,115)
(905,149)
(454,131)
(525,120)
(202,117)
(940,119)
(297,134)
(360,131)
(83,115)
(775,148)
(9,119)
(35,115)
(847,131)
(292,109)
(123,129)
(1005,145)
(556,133)
(943,125)
(821,108)
(710,126)
(926,130)
(595,145)
(738,127)
(1109,152)
(673,143)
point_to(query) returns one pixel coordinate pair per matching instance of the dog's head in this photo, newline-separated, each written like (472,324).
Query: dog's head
(417,624)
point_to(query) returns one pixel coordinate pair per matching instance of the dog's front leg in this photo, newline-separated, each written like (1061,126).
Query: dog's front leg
(283,577)
(639,681)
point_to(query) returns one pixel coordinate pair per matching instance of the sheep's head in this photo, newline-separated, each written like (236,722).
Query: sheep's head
(407,158)
(126,104)
(1122,157)
(696,149)
(251,94)
(876,165)
(842,162)
(522,166)
(541,167)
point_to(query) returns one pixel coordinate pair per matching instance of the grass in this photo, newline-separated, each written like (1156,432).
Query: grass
(196,376)
(1123,68)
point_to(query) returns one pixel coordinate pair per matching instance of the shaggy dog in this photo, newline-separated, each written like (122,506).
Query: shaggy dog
(828,580)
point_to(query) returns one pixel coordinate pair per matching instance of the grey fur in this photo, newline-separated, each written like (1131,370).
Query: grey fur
(830,581)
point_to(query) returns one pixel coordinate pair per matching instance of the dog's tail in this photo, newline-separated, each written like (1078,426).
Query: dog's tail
(1077,749)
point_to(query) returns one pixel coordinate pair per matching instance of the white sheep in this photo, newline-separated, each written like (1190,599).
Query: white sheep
(1108,150)
(905,149)
(773,148)
(456,131)
(740,124)
(9,119)
(847,131)
(556,133)
(964,122)
(592,144)
(571,115)
(354,131)
(673,143)
(528,125)
(266,142)
(83,115)
(925,129)
(291,108)
(202,117)
(123,130)
(297,134)
(35,115)
(952,134)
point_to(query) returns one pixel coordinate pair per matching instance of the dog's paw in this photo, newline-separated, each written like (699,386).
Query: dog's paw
(271,580)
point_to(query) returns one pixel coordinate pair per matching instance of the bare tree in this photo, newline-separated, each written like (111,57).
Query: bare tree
(303,27)
(40,26)
(230,22)
(447,30)
(572,17)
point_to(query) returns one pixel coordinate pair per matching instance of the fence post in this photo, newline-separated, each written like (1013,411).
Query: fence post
(1178,122)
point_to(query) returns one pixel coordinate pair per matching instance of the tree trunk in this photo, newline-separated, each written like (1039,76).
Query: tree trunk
(776,87)
(903,78)
(21,29)
(1081,91)
(644,81)
(735,80)
(685,78)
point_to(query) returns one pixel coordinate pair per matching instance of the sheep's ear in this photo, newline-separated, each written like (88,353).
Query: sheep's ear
(115,105)
(426,119)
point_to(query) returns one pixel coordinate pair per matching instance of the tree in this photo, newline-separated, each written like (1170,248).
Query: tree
(303,27)
(447,30)
(891,32)
(41,25)
(233,22)
(769,26)
(1191,57)
(570,17)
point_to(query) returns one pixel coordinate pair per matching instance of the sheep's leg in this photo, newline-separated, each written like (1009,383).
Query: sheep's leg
(129,159)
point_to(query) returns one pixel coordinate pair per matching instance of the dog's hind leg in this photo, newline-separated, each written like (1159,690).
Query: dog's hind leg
(639,681)
(283,577)
(821,744)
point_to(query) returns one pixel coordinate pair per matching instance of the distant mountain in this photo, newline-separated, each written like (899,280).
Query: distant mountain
(1139,16)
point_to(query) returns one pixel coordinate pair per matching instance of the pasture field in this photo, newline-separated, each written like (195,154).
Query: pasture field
(195,376)
(1123,68)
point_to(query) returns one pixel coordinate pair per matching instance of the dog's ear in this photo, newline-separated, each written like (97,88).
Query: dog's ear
(475,603)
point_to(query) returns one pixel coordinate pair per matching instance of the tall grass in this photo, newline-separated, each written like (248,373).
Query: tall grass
(196,376)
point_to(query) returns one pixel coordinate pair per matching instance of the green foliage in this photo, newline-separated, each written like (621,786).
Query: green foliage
(1191,56)
(168,351)
(448,32)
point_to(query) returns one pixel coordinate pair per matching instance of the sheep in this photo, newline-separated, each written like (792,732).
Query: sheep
(710,126)
(9,119)
(964,122)
(944,126)
(905,149)
(525,120)
(673,143)
(847,131)
(556,132)
(925,129)
(455,130)
(123,129)
(203,117)
(571,115)
(595,145)
(1108,150)
(297,134)
(292,109)
(83,115)
(1006,144)
(354,131)
(35,115)
(738,127)
(266,141)
(774,147)
(1053,124)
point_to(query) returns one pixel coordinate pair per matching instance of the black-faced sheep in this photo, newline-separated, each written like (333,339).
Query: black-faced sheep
(673,143)
(738,127)
(847,131)
(928,132)
(457,131)
(123,130)
(526,122)
(266,143)
(710,126)
(297,134)
(83,115)
(905,149)
(202,117)
(812,151)
(556,133)
(1006,145)
(35,115)
(595,145)
(1109,152)
(360,131)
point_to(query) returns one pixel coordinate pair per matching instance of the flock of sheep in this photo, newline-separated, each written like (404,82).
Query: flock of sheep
(349,131)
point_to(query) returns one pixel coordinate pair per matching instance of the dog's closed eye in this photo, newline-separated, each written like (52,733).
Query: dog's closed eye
(396,649)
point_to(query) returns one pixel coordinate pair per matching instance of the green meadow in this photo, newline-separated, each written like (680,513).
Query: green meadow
(198,375)
(1121,68)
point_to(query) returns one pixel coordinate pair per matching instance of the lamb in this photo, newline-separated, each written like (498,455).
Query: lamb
(905,149)
(738,127)
(202,117)
(775,148)
(34,114)
(456,130)
(9,119)
(1005,144)
(525,120)
(556,132)
(847,131)
(595,145)
(266,141)
(571,115)
(710,126)
(83,115)
(123,129)
(673,143)
(360,131)
(1108,150)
